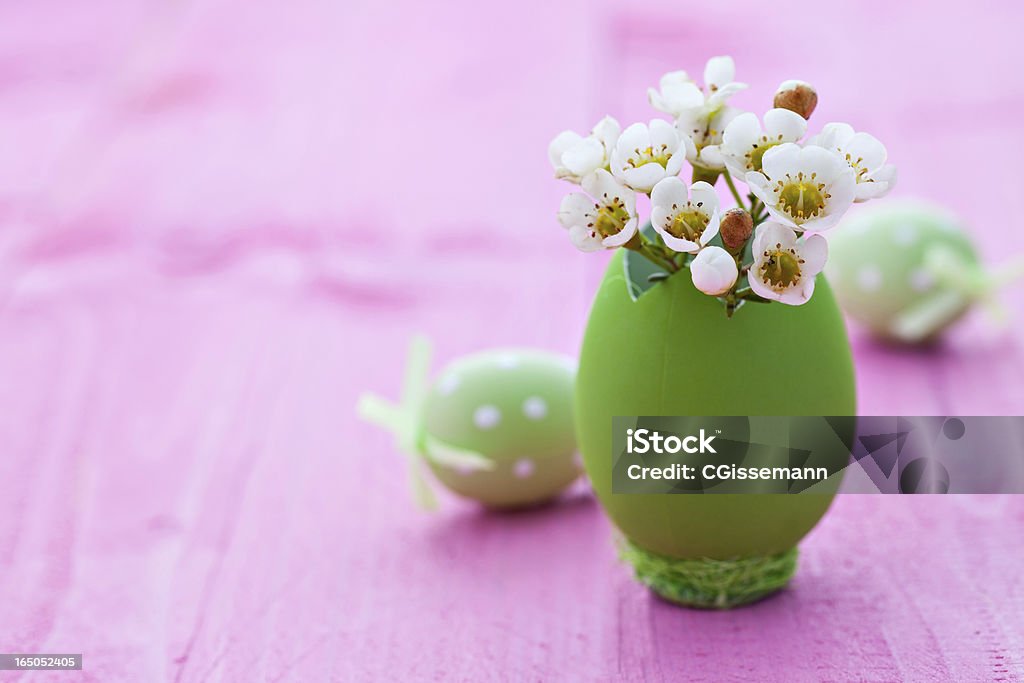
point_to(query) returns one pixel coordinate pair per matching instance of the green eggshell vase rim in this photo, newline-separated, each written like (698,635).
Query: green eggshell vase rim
(709,583)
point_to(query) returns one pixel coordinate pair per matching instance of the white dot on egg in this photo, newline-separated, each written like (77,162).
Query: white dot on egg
(486,417)
(904,235)
(869,278)
(448,384)
(921,280)
(535,408)
(523,468)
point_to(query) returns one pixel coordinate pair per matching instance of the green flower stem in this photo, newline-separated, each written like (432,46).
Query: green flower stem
(652,252)
(732,188)
(710,177)
(757,209)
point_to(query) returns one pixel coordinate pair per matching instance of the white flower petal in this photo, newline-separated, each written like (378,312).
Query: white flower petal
(683,97)
(711,157)
(718,72)
(683,246)
(689,149)
(584,157)
(701,193)
(780,216)
(562,142)
(761,187)
(663,133)
(606,132)
(670,191)
(718,98)
(635,136)
(742,131)
(677,94)
(711,230)
(675,162)
(662,216)
(827,164)
(797,296)
(575,210)
(674,78)
(643,178)
(771,234)
(814,251)
(692,122)
(886,174)
(865,149)
(622,236)
(784,125)
(843,190)
(785,158)
(584,239)
(600,183)
(759,286)
(882,181)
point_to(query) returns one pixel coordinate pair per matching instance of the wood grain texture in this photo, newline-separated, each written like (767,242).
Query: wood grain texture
(219,228)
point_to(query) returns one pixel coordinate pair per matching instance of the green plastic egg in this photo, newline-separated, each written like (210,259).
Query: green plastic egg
(673,351)
(903,269)
(514,409)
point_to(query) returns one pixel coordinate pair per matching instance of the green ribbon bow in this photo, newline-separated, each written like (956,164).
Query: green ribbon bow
(406,421)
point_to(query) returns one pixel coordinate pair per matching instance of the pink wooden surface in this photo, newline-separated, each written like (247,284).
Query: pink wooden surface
(220,223)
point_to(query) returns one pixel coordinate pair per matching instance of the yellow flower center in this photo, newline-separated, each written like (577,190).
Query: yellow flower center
(802,197)
(651,155)
(756,153)
(610,217)
(859,170)
(781,267)
(689,224)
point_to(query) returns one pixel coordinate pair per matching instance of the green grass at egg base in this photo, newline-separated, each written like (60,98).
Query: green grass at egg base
(674,352)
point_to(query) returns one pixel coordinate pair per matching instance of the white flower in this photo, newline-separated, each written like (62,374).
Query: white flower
(699,115)
(644,154)
(685,220)
(807,189)
(865,155)
(706,129)
(574,156)
(605,219)
(714,271)
(745,142)
(784,265)
(678,93)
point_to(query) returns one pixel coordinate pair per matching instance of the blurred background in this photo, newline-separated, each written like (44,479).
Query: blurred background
(220,221)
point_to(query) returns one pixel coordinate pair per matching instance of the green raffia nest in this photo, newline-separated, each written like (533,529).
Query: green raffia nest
(707,583)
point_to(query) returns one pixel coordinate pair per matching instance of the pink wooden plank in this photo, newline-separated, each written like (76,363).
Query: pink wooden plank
(222,221)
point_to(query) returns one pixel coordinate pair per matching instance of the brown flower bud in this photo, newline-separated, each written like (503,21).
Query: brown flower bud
(736,228)
(796,96)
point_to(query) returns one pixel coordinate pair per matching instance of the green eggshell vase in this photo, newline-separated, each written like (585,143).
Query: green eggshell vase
(673,351)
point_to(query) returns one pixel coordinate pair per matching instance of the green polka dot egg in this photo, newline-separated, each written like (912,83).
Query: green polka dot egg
(904,270)
(496,426)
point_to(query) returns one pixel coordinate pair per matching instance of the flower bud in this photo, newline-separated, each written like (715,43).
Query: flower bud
(736,228)
(714,271)
(798,97)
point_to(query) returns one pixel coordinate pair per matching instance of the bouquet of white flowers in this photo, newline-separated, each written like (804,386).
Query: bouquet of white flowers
(767,248)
